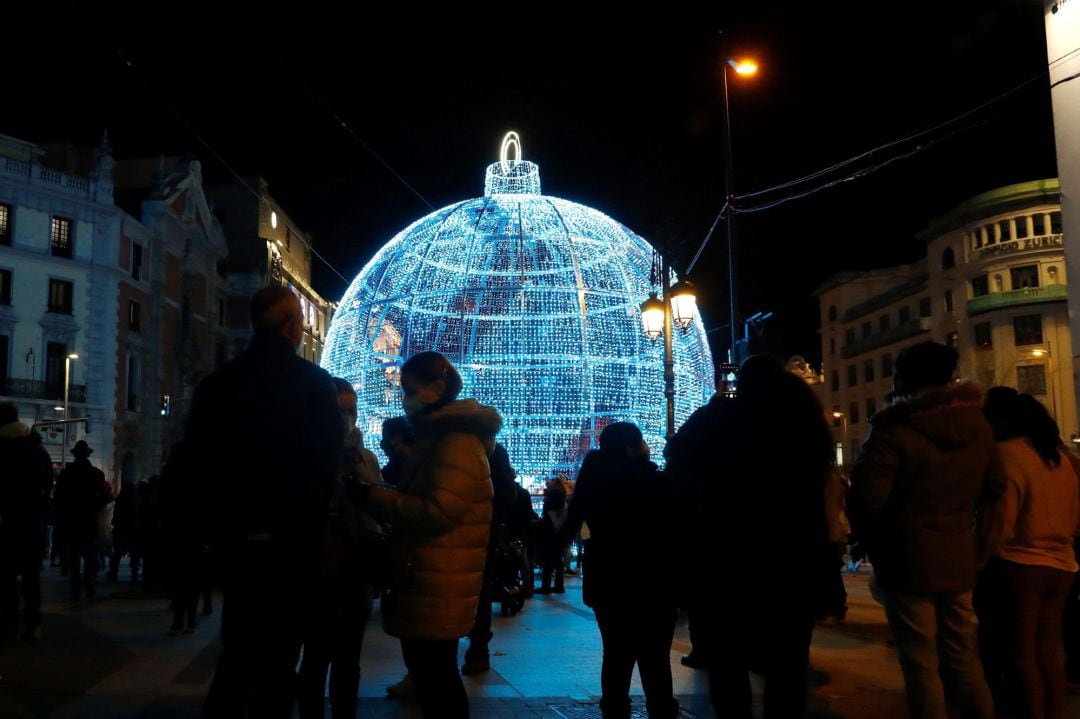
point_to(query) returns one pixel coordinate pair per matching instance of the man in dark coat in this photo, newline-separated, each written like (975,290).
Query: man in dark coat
(927,475)
(25,481)
(81,493)
(265,439)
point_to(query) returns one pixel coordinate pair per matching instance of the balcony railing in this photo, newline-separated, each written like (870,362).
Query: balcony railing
(1026,296)
(888,337)
(35,389)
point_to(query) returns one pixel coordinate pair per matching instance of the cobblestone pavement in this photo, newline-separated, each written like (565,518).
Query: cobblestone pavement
(110,657)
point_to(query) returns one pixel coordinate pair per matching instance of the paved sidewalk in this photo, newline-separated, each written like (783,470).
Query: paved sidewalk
(110,658)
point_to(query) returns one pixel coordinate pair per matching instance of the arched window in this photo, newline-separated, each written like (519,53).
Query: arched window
(948,259)
(832,313)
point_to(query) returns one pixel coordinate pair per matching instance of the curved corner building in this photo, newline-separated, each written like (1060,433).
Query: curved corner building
(536,300)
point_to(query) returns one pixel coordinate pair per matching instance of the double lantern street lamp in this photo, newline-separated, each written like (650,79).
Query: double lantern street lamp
(657,318)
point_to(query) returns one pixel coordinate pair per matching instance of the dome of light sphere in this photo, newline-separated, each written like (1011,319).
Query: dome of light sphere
(536,300)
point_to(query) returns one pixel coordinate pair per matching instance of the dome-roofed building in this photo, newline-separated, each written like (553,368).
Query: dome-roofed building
(536,300)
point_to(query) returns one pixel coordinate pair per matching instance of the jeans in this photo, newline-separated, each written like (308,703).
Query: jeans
(1033,602)
(643,635)
(88,553)
(340,655)
(432,664)
(937,636)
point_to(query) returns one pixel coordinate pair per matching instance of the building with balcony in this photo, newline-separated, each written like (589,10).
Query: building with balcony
(992,286)
(267,247)
(59,233)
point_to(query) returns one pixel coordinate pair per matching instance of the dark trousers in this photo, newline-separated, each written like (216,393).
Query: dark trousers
(12,590)
(87,552)
(433,666)
(641,635)
(1031,605)
(480,635)
(261,623)
(340,656)
(774,642)
(184,601)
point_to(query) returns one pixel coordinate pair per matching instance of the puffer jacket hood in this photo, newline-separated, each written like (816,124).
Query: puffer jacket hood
(463,415)
(949,416)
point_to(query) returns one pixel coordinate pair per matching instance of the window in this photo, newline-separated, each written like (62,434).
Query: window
(1055,223)
(1025,276)
(136,261)
(852,375)
(867,329)
(948,301)
(832,313)
(871,408)
(885,322)
(133,383)
(849,337)
(5,287)
(853,413)
(886,366)
(836,380)
(905,315)
(980,286)
(1021,227)
(60,292)
(948,259)
(868,370)
(60,239)
(134,310)
(924,307)
(288,239)
(5,342)
(5,224)
(984,338)
(953,340)
(1027,330)
(837,416)
(1003,231)
(1031,379)
(55,358)
(832,345)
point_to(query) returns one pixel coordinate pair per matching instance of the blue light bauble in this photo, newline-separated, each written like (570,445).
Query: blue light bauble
(536,300)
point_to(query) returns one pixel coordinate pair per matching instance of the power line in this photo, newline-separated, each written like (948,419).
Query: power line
(395,173)
(195,133)
(913,136)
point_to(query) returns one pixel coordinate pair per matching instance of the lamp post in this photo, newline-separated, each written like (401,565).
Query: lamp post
(837,414)
(743,68)
(658,316)
(67,391)
(1040,352)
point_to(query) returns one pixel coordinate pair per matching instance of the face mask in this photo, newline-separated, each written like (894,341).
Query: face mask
(412,405)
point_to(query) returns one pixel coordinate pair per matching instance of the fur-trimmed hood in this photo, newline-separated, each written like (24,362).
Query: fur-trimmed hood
(950,416)
(463,415)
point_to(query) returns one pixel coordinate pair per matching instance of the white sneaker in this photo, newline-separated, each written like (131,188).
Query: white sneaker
(404,688)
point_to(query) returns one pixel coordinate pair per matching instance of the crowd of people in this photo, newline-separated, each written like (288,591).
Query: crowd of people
(966,503)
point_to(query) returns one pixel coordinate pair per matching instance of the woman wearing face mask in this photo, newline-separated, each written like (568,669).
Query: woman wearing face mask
(441,514)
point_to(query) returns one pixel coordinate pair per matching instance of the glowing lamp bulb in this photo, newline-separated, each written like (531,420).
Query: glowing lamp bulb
(744,67)
(683,304)
(652,317)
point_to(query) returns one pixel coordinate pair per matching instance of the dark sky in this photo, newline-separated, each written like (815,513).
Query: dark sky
(621,109)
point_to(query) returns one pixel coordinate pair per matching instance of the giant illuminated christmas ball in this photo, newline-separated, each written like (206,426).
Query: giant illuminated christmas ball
(536,300)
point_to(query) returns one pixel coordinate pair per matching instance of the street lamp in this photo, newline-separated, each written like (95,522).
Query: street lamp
(657,318)
(67,391)
(1044,352)
(743,68)
(837,414)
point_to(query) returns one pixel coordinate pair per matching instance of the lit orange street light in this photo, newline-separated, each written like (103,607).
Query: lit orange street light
(744,66)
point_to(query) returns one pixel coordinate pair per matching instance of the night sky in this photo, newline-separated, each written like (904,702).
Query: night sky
(621,109)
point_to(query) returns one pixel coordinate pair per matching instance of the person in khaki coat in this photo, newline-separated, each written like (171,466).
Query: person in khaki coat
(440,514)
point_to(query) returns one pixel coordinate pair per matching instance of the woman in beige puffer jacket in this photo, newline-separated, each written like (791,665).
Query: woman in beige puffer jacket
(440,516)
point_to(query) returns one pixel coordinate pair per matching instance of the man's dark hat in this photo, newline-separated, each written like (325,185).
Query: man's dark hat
(81,449)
